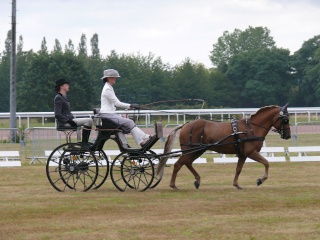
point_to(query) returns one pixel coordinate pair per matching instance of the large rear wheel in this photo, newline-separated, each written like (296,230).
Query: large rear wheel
(72,166)
(103,164)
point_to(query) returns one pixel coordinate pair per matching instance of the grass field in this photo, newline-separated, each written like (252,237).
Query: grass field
(286,206)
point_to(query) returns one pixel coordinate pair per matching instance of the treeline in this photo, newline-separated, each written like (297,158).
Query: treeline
(248,71)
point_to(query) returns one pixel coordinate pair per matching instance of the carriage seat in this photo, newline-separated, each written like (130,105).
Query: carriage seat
(68,130)
(104,123)
(109,129)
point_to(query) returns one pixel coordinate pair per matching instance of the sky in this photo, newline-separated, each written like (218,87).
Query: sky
(171,29)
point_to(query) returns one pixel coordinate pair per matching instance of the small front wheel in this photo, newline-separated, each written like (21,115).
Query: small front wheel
(133,171)
(155,161)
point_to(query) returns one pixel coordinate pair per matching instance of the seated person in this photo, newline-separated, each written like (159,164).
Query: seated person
(109,102)
(62,111)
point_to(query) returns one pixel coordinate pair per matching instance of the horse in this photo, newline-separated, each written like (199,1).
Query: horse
(241,137)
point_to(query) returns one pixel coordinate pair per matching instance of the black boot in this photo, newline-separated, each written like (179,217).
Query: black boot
(85,136)
(101,139)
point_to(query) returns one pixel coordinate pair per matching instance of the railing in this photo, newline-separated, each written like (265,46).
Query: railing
(180,115)
(34,141)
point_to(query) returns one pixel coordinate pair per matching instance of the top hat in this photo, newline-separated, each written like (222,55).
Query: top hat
(60,82)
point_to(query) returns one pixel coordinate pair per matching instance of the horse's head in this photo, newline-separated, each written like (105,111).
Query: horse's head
(281,124)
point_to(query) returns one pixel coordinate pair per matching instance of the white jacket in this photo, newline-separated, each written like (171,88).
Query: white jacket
(109,101)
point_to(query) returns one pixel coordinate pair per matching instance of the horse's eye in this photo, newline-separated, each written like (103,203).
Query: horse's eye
(285,120)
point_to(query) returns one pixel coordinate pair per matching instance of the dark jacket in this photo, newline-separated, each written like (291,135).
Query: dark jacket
(62,111)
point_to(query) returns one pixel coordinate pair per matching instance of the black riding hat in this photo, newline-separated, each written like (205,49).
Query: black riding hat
(60,82)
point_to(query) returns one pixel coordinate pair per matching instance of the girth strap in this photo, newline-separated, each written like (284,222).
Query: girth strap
(191,132)
(234,125)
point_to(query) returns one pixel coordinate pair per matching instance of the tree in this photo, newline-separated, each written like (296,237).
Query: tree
(261,77)
(5,83)
(69,48)
(36,92)
(139,82)
(82,49)
(57,47)
(43,48)
(5,76)
(230,44)
(189,79)
(220,90)
(95,52)
(306,63)
(22,60)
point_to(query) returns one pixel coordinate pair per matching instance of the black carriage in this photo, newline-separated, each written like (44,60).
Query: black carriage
(79,166)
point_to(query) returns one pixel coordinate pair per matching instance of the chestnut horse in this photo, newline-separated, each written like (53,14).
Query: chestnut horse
(241,137)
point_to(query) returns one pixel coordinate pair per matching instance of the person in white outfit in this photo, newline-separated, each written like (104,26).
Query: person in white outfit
(109,103)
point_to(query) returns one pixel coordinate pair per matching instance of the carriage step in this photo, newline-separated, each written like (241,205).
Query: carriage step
(150,142)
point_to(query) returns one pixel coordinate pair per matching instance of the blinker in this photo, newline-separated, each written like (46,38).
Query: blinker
(284,120)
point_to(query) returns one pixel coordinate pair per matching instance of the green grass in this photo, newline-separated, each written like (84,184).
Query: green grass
(286,206)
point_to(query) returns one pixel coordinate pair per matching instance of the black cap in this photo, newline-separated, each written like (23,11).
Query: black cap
(60,82)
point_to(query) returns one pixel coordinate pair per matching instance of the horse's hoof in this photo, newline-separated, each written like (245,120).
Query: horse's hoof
(196,184)
(238,187)
(174,188)
(259,181)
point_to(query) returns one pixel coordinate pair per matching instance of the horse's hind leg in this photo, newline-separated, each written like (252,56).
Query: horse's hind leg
(184,159)
(176,169)
(195,174)
(192,170)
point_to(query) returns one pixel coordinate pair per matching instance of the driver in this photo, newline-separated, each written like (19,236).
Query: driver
(109,102)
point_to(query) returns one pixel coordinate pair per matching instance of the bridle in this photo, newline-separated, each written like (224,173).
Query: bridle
(284,120)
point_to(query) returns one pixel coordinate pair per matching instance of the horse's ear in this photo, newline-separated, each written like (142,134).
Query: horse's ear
(284,108)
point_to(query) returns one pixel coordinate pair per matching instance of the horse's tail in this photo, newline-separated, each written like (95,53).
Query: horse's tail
(167,149)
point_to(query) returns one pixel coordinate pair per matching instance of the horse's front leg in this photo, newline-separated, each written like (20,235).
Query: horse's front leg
(257,157)
(240,164)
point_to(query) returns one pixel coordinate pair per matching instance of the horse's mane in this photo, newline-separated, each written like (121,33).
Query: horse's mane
(263,109)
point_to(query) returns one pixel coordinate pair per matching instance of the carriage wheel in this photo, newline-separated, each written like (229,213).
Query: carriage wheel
(130,170)
(103,164)
(72,166)
(155,161)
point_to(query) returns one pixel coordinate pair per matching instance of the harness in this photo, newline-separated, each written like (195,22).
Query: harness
(236,135)
(234,125)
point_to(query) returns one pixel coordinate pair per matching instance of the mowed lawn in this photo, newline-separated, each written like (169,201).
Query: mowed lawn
(286,206)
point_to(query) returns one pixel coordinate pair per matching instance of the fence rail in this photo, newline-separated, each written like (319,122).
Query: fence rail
(32,142)
(176,116)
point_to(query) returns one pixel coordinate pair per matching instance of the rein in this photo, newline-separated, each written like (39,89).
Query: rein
(164,101)
(178,100)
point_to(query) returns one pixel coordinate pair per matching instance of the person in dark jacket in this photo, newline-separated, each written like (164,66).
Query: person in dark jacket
(62,111)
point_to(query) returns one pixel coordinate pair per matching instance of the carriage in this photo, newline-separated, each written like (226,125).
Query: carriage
(77,166)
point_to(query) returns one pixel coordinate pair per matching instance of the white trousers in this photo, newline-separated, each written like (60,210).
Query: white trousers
(138,135)
(83,122)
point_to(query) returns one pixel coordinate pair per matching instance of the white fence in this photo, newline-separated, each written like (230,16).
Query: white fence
(32,142)
(174,116)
